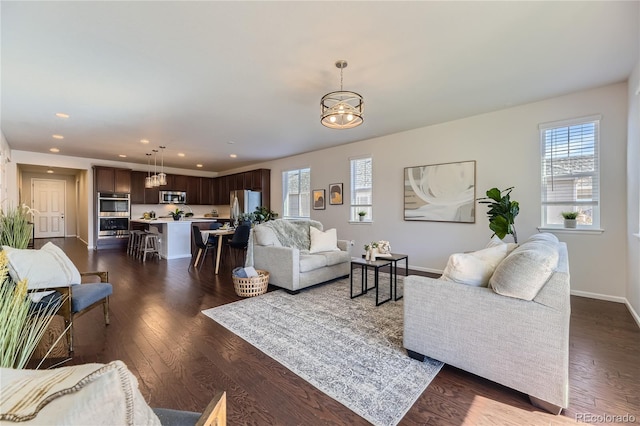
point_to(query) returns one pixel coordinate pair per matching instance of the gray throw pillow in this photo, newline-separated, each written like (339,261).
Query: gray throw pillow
(525,270)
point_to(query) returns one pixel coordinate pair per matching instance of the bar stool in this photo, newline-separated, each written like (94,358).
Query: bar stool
(134,242)
(149,244)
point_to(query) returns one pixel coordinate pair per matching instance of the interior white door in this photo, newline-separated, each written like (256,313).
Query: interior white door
(48,198)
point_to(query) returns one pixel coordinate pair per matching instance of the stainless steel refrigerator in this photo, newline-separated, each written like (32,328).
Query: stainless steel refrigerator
(244,201)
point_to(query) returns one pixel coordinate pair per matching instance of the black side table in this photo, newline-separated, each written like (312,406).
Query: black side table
(364,286)
(394,258)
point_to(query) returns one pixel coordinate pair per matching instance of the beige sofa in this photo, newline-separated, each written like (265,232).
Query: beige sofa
(286,249)
(514,332)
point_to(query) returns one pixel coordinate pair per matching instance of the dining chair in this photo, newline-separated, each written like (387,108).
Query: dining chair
(201,247)
(239,242)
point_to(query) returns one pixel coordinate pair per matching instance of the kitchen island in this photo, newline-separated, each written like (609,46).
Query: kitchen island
(174,235)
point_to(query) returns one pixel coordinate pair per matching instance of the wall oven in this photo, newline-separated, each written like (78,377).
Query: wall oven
(114,212)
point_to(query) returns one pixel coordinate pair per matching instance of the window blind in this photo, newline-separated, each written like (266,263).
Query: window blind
(570,171)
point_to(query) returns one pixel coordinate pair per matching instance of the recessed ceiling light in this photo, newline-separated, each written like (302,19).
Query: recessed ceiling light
(57,136)
(54,150)
(49,171)
(122,155)
(198,165)
(145,141)
(181,154)
(232,155)
(62,115)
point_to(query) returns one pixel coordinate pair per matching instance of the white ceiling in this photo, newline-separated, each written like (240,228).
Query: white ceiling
(195,76)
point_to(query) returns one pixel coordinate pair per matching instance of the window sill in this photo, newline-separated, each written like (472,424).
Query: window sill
(637,236)
(584,231)
(357,222)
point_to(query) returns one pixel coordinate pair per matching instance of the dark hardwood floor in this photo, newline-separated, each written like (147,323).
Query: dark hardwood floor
(181,357)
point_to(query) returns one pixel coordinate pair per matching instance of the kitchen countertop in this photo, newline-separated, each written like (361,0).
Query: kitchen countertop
(183,220)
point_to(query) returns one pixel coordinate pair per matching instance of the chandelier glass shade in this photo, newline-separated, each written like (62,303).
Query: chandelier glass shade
(162,176)
(155,181)
(341,109)
(148,182)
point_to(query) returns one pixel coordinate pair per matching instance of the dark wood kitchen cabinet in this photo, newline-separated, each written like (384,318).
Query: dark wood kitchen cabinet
(255,180)
(137,187)
(176,183)
(111,179)
(194,186)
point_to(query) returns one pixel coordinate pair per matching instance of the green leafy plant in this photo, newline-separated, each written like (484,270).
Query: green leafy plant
(15,228)
(176,214)
(502,212)
(362,213)
(570,215)
(264,214)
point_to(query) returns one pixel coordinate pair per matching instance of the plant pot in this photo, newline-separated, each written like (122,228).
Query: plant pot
(176,218)
(570,223)
(361,218)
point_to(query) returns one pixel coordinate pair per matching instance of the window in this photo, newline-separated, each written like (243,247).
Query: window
(361,189)
(571,171)
(296,193)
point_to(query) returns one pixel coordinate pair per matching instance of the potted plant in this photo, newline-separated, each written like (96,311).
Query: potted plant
(570,219)
(176,214)
(264,214)
(361,215)
(502,212)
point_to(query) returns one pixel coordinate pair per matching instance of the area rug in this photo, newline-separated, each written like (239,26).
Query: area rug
(347,348)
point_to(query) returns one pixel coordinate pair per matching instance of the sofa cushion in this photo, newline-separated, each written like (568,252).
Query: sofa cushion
(323,241)
(474,268)
(47,267)
(310,262)
(264,236)
(336,257)
(526,270)
(544,236)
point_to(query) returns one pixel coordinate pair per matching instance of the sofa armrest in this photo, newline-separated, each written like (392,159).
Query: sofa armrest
(344,245)
(282,263)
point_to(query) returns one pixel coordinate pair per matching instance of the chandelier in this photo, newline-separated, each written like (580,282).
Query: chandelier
(148,182)
(162,176)
(341,109)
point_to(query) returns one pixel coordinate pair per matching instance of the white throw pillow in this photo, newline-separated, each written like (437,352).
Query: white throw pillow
(323,241)
(47,267)
(474,268)
(496,241)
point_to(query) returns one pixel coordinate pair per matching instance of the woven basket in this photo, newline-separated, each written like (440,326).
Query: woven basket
(254,286)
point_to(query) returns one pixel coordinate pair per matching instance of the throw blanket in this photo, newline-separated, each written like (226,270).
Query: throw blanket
(93,394)
(291,233)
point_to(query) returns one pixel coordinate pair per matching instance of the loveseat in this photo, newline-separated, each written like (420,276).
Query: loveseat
(298,253)
(513,329)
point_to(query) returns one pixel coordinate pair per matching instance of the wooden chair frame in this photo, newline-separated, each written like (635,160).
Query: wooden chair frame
(65,309)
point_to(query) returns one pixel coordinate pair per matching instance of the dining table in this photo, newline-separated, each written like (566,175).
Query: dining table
(218,233)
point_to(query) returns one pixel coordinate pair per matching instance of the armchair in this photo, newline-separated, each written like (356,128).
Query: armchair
(50,274)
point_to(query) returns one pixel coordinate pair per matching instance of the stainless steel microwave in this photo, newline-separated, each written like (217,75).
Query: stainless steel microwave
(173,197)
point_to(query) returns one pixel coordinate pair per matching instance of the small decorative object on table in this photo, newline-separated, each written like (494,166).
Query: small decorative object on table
(249,286)
(177,214)
(361,215)
(377,248)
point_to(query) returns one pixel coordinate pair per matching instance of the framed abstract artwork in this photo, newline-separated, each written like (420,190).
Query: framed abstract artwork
(335,193)
(319,199)
(440,192)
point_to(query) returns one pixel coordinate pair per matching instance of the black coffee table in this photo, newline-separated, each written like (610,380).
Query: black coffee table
(364,286)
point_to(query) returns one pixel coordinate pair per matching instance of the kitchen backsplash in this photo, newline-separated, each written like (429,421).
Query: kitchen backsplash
(137,210)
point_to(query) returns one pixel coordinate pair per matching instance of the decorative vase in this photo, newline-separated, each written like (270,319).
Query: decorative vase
(570,223)
(374,252)
(367,255)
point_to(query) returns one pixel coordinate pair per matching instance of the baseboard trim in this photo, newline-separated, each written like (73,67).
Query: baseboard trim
(633,312)
(421,269)
(608,298)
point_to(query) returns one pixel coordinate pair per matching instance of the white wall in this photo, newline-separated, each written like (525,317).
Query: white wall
(633,194)
(505,144)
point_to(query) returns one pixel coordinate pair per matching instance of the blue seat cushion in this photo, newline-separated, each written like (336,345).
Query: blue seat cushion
(169,417)
(85,295)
